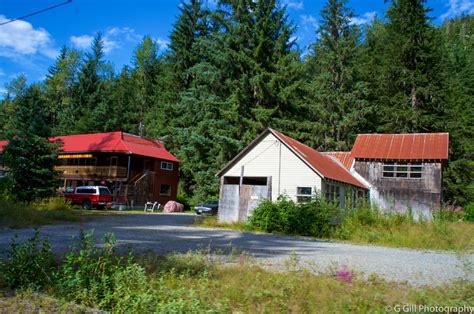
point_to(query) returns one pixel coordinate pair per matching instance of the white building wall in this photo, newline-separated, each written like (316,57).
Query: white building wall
(272,158)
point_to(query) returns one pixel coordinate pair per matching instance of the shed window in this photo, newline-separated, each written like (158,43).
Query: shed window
(303,194)
(165,190)
(332,192)
(165,165)
(403,170)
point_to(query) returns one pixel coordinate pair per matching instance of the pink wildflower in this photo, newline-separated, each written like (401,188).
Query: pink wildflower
(344,274)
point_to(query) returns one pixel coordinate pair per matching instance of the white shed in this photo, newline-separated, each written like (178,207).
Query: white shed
(275,164)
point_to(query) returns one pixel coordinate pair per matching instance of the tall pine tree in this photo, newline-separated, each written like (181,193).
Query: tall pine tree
(29,156)
(412,73)
(337,93)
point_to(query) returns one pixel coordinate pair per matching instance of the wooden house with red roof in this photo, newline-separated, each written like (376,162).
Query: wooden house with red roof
(136,169)
(274,165)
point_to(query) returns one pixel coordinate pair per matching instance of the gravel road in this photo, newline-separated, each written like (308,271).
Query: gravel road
(164,233)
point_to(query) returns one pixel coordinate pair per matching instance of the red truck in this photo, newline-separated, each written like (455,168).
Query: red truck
(89,196)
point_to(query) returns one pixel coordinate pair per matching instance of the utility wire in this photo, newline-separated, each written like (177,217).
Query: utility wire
(37,12)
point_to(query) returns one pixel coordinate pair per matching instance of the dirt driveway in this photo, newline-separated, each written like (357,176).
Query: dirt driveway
(164,233)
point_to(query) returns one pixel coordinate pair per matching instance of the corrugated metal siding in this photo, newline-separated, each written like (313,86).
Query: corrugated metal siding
(420,146)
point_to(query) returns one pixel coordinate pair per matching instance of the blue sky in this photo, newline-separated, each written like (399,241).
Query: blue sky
(30,46)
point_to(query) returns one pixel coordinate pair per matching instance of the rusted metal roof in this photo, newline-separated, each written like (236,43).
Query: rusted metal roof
(418,146)
(344,158)
(325,165)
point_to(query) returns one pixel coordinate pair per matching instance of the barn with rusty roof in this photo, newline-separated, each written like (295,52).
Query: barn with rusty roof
(396,171)
(403,171)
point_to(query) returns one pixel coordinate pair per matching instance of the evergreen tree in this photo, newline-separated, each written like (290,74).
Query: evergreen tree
(412,73)
(29,155)
(59,90)
(337,92)
(192,24)
(148,67)
(459,54)
(90,90)
(15,90)
(237,89)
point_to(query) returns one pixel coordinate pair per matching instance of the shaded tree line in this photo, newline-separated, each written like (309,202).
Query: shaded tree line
(231,71)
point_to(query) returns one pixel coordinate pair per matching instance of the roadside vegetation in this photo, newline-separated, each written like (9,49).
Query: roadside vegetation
(95,277)
(16,214)
(363,223)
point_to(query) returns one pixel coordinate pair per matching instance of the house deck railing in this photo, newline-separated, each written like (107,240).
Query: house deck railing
(93,171)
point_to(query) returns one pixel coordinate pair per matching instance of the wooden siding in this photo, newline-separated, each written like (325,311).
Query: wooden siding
(421,195)
(269,158)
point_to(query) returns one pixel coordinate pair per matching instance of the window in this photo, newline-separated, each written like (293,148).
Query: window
(104,191)
(332,192)
(403,170)
(165,190)
(86,191)
(114,161)
(303,194)
(165,165)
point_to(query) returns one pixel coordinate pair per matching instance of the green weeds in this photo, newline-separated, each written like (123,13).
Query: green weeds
(92,276)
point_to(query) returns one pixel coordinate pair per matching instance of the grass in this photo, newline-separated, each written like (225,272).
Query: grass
(49,211)
(32,302)
(91,276)
(194,283)
(212,222)
(435,235)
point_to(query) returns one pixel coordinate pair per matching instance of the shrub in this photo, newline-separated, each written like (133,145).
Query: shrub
(448,214)
(87,273)
(29,264)
(184,199)
(469,212)
(316,218)
(53,204)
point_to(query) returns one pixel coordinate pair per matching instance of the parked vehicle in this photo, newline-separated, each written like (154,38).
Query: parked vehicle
(209,208)
(90,196)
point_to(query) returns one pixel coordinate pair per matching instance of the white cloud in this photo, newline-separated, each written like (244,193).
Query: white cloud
(113,37)
(365,18)
(2,73)
(309,21)
(81,42)
(293,4)
(162,43)
(458,7)
(21,38)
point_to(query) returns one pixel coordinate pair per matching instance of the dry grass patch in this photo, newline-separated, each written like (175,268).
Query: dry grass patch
(437,235)
(20,215)
(212,222)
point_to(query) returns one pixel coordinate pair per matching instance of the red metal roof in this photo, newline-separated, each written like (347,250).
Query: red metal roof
(322,163)
(111,142)
(418,146)
(345,158)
